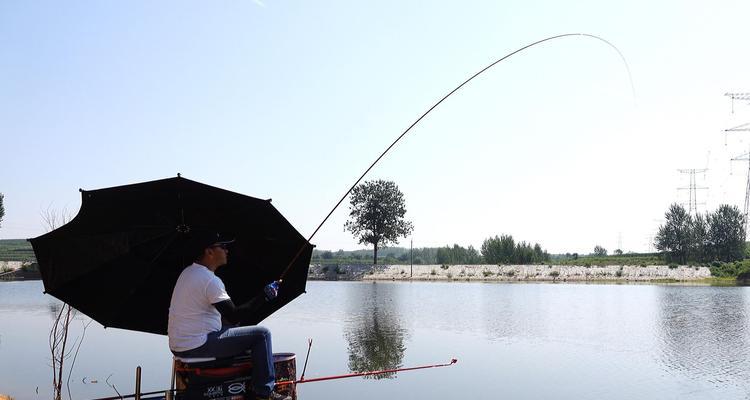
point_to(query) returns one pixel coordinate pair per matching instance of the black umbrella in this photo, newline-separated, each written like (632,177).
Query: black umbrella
(117,261)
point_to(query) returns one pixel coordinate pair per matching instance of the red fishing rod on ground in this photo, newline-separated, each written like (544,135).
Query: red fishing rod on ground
(384,371)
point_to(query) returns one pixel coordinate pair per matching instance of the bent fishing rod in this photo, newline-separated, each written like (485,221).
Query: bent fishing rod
(503,58)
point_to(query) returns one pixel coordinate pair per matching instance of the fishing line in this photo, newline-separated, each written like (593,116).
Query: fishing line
(630,78)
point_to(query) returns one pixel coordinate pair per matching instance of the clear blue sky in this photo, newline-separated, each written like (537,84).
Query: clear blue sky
(293,100)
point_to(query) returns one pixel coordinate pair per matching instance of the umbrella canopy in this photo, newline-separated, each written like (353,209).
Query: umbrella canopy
(118,260)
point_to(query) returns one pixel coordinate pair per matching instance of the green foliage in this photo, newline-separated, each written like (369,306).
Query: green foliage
(389,255)
(504,250)
(458,255)
(716,236)
(376,214)
(736,269)
(600,251)
(16,250)
(642,259)
(674,237)
(726,230)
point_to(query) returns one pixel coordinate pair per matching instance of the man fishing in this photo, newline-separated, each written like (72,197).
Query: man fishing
(199,301)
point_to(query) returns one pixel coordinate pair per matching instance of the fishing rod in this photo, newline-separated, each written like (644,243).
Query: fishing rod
(501,59)
(380,372)
(295,382)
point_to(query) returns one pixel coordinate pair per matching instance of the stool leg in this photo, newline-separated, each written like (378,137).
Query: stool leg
(170,393)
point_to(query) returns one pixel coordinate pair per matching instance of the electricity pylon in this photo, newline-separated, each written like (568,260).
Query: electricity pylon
(737,96)
(693,188)
(744,157)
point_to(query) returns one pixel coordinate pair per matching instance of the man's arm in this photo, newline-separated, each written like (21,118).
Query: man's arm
(237,314)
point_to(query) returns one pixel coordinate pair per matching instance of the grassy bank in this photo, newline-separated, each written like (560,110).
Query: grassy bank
(16,250)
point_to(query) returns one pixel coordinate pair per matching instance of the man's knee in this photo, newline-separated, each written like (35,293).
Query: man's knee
(265,332)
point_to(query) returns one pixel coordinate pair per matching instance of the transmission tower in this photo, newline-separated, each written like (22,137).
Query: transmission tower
(743,157)
(738,96)
(693,188)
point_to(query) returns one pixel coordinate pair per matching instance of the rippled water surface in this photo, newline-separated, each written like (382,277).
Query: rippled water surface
(513,341)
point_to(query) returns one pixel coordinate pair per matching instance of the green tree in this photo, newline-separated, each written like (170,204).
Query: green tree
(473,256)
(491,250)
(726,233)
(507,249)
(700,247)
(674,237)
(458,255)
(2,209)
(376,214)
(600,251)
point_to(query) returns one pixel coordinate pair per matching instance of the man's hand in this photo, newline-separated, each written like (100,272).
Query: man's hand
(271,290)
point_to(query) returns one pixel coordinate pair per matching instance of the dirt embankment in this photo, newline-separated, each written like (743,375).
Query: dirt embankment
(509,273)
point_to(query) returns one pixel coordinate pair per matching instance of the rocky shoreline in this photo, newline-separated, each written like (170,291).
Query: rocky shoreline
(509,273)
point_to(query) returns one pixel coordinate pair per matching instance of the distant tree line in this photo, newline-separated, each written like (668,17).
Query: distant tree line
(504,250)
(714,236)
(494,250)
(457,255)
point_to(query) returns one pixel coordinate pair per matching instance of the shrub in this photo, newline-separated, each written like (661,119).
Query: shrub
(672,265)
(443,266)
(486,273)
(433,272)
(618,273)
(449,275)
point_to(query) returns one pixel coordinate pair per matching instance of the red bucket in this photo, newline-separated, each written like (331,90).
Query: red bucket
(285,365)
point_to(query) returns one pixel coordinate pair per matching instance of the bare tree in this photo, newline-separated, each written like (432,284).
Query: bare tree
(53,218)
(58,336)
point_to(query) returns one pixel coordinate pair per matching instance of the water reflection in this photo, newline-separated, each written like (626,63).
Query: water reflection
(704,333)
(373,330)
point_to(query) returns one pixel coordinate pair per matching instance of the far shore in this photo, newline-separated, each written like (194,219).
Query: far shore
(486,273)
(511,273)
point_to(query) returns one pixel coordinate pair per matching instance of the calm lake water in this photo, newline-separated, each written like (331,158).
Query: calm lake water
(513,341)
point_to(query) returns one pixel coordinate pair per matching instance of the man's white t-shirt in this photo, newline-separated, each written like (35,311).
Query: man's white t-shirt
(192,315)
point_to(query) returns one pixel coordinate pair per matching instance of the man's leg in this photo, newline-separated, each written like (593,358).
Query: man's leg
(257,339)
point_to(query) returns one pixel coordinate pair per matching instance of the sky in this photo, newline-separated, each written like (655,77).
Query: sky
(293,100)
